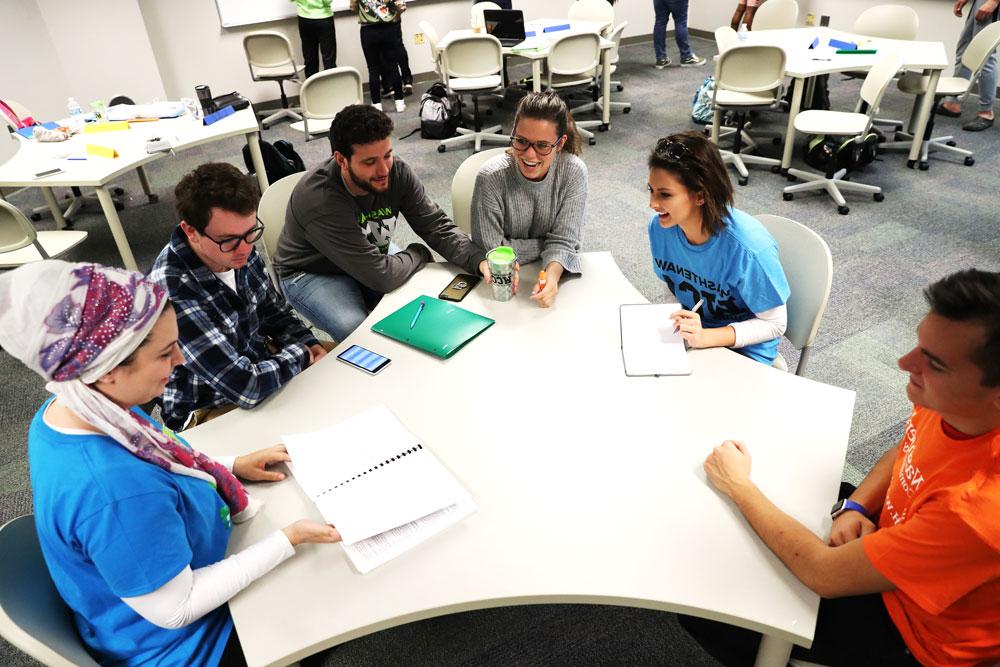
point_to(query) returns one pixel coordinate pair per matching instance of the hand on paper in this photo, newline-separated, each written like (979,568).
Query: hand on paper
(306,531)
(728,466)
(849,526)
(316,352)
(690,327)
(484,268)
(253,466)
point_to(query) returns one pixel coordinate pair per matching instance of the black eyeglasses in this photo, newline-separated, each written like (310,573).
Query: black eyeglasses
(521,144)
(671,148)
(231,243)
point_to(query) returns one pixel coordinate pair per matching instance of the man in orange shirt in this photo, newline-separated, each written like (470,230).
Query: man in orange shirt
(923,585)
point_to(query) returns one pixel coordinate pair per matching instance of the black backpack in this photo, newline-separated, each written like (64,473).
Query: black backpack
(439,115)
(280,160)
(829,154)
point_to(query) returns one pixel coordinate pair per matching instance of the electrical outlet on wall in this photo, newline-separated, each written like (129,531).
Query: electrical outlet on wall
(418,38)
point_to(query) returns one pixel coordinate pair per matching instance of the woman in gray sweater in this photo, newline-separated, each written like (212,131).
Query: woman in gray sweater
(533,197)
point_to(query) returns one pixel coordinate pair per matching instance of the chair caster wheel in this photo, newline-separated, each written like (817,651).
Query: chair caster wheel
(843,210)
(627,110)
(35,217)
(592,141)
(950,143)
(911,163)
(969,161)
(119,206)
(743,180)
(924,166)
(878,196)
(118,192)
(787,196)
(603,127)
(441,149)
(619,87)
(776,169)
(265,126)
(154,198)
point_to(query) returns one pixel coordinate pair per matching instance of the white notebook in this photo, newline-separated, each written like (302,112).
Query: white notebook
(378,484)
(649,344)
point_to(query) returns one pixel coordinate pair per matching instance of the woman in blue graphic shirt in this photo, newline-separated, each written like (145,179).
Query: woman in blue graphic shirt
(706,250)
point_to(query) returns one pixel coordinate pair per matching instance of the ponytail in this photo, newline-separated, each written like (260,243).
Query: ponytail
(549,106)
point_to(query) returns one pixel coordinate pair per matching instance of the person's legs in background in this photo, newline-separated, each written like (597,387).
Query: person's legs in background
(741,8)
(404,61)
(660,33)
(373,59)
(328,43)
(336,304)
(679,10)
(310,45)
(987,79)
(388,61)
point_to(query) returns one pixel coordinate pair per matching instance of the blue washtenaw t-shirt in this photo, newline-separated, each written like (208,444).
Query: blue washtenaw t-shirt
(111,526)
(736,272)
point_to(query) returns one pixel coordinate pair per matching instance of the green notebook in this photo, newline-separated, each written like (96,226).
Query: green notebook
(442,328)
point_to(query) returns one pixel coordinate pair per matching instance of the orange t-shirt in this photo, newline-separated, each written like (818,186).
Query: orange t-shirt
(939,542)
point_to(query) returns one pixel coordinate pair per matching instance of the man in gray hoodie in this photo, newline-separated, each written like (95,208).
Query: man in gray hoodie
(335,255)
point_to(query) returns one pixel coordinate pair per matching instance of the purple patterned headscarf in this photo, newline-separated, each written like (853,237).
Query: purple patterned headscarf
(72,324)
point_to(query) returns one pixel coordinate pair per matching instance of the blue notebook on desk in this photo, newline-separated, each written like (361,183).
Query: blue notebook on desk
(29,132)
(441,328)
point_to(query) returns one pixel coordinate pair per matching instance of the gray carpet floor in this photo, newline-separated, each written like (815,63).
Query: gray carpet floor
(930,224)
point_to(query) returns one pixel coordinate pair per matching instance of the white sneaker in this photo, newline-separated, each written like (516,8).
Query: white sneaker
(400,106)
(378,105)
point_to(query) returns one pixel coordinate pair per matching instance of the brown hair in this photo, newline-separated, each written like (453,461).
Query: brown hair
(214,185)
(698,165)
(973,296)
(549,106)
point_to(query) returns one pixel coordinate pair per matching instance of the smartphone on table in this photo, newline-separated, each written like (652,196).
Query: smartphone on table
(459,287)
(363,359)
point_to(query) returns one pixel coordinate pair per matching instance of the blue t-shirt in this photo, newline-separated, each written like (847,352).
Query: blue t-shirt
(736,272)
(111,526)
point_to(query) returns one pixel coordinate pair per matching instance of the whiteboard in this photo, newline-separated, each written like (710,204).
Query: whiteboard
(234,13)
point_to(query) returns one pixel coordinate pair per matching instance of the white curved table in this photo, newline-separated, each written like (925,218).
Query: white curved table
(589,484)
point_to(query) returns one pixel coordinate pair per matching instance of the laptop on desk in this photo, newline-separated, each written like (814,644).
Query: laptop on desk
(507,25)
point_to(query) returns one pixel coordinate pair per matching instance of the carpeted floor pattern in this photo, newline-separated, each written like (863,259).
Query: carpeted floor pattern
(930,224)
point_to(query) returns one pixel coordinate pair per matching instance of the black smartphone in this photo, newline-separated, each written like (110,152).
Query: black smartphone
(459,286)
(363,359)
(48,172)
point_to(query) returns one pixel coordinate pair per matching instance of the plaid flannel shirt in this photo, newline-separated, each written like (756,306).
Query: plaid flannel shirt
(224,335)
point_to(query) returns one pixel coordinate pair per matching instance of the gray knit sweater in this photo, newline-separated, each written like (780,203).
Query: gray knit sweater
(542,219)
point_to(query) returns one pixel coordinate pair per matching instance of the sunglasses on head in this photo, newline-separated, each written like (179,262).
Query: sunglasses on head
(672,149)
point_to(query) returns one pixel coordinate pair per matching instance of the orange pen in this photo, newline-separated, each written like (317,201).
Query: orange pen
(541,280)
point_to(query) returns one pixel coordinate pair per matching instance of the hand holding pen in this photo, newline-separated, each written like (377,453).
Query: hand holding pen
(688,323)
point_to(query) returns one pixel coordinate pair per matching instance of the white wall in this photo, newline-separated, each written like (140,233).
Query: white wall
(30,73)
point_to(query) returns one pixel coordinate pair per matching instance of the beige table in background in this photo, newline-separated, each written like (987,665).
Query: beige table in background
(589,484)
(99,172)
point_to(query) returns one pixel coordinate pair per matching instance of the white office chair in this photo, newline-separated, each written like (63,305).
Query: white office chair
(33,616)
(776,15)
(808,265)
(269,57)
(472,66)
(845,124)
(747,77)
(271,210)
(464,182)
(593,10)
(613,57)
(432,43)
(323,95)
(20,243)
(915,83)
(476,15)
(887,22)
(573,64)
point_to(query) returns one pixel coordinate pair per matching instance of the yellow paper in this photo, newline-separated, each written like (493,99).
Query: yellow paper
(101,151)
(106,127)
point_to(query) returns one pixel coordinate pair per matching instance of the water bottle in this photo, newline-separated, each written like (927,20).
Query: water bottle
(74,107)
(743,33)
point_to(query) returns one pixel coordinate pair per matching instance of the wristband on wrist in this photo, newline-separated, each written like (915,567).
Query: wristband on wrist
(846,505)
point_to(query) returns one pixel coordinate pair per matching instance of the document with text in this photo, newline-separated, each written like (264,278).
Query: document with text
(378,484)
(649,344)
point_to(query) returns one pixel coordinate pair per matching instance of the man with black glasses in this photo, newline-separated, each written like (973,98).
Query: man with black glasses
(335,254)
(240,338)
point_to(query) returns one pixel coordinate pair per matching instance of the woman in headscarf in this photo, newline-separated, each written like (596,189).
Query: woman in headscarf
(133,523)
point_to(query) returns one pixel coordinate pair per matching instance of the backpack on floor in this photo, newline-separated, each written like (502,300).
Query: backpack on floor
(280,160)
(701,105)
(843,152)
(438,113)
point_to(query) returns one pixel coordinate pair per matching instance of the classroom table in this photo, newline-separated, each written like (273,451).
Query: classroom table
(99,172)
(803,63)
(589,484)
(538,55)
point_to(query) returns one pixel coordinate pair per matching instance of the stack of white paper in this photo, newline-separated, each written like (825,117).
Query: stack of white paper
(649,344)
(372,479)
